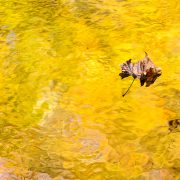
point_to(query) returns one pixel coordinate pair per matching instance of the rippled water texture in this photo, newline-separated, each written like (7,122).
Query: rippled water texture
(62,114)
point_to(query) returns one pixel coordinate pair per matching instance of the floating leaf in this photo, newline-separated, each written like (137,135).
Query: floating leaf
(144,70)
(174,124)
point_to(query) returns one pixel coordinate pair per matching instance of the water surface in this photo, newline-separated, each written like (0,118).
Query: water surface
(61,108)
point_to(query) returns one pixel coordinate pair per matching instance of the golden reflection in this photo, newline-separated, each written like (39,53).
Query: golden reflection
(62,114)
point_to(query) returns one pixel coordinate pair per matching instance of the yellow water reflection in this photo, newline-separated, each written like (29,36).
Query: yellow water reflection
(61,108)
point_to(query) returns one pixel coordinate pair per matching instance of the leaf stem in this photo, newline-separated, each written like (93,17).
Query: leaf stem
(129,87)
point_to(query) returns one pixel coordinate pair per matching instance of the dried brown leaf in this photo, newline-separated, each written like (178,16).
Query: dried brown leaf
(144,70)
